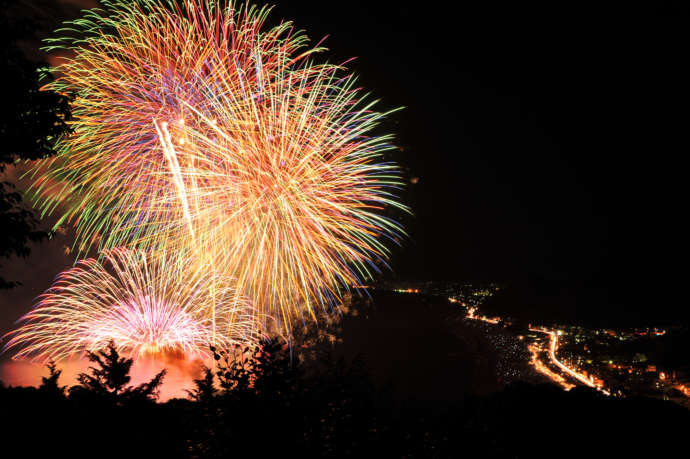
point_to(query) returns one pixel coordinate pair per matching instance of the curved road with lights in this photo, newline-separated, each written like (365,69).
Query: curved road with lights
(553,347)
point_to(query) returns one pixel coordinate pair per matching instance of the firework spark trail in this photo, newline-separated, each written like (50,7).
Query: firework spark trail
(171,157)
(144,306)
(197,129)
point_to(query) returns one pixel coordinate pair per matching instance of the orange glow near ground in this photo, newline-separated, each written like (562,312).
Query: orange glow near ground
(180,375)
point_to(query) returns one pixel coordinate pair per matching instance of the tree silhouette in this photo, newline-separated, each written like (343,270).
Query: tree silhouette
(116,419)
(50,384)
(112,374)
(31,121)
(110,378)
(270,408)
(204,389)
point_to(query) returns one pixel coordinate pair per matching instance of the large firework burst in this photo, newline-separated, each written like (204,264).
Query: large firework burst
(196,128)
(144,306)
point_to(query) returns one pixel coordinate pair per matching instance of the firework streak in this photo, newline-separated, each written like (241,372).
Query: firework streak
(144,307)
(200,130)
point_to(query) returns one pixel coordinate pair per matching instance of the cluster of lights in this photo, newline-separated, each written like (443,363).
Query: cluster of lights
(538,365)
(535,350)
(553,347)
(490,320)
(407,290)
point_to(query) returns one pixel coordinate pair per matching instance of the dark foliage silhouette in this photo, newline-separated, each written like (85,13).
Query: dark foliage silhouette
(31,121)
(264,403)
(103,416)
(204,388)
(50,384)
(110,378)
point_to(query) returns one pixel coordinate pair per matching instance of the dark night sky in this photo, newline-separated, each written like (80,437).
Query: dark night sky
(548,144)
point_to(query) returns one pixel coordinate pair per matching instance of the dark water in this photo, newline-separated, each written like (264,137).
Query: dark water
(419,346)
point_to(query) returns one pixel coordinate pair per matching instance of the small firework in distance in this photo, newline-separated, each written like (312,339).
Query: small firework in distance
(198,129)
(144,307)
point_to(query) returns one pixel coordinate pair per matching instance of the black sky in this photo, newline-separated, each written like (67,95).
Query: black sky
(548,143)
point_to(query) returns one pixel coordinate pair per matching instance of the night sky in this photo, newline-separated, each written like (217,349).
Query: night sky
(547,146)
